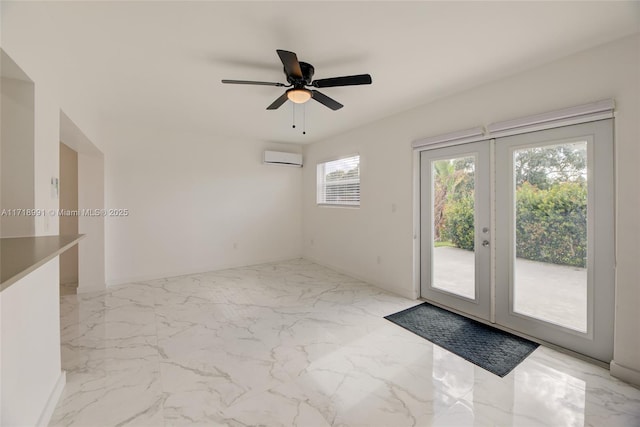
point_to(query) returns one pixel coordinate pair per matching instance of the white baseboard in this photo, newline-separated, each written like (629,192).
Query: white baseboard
(88,289)
(625,373)
(52,402)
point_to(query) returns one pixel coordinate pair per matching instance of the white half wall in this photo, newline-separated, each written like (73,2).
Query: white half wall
(375,242)
(197,204)
(30,348)
(30,364)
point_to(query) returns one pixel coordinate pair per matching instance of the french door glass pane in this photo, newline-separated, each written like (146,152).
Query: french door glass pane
(453,216)
(550,275)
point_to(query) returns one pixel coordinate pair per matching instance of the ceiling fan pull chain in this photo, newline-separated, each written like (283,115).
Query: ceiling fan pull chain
(304,119)
(293,106)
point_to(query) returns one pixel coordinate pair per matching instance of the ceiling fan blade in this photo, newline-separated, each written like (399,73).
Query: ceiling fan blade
(360,79)
(325,100)
(250,82)
(278,102)
(291,64)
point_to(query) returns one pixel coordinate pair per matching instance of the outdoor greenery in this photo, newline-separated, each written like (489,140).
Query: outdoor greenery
(341,175)
(458,225)
(551,204)
(551,224)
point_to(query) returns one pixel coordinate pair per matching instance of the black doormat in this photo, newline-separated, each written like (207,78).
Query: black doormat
(492,349)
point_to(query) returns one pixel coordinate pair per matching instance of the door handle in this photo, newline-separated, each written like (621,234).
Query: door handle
(485,243)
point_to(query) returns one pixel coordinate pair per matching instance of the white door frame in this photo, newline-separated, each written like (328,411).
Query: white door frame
(597,342)
(480,305)
(603,154)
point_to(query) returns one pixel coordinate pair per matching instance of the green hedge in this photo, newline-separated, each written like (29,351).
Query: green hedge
(551,224)
(458,223)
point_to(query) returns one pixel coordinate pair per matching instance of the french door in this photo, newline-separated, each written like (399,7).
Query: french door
(455,228)
(519,231)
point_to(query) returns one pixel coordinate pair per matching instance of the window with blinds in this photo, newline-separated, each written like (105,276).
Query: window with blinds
(339,182)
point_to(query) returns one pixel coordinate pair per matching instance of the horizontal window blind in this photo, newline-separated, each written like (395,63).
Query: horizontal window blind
(339,182)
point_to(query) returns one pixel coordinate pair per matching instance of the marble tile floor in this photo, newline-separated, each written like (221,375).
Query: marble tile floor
(297,344)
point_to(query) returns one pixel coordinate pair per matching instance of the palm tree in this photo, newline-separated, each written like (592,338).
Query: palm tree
(447,179)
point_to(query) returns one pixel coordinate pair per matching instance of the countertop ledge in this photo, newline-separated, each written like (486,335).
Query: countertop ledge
(20,256)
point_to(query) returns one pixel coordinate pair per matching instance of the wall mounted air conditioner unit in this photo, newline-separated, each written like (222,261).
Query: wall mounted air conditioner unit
(284,159)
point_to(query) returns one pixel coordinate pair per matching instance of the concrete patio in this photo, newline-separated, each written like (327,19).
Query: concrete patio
(550,292)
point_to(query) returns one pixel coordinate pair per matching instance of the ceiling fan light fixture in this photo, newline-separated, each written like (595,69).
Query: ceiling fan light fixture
(299,96)
(300,74)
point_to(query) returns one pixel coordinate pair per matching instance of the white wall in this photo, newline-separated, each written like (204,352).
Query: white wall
(352,239)
(91,253)
(46,157)
(197,204)
(17,138)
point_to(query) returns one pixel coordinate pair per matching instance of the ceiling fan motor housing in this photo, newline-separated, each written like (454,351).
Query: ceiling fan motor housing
(307,75)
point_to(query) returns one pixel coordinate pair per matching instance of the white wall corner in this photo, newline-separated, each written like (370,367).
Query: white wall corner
(92,287)
(625,373)
(52,402)
(188,272)
(397,290)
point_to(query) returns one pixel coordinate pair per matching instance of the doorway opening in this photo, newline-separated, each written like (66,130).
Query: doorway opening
(81,193)
(68,219)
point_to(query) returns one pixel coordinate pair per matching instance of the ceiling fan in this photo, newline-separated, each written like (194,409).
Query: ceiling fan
(299,76)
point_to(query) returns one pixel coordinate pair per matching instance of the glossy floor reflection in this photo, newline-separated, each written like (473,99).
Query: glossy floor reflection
(296,344)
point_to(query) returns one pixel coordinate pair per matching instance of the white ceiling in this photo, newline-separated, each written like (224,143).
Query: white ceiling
(159,64)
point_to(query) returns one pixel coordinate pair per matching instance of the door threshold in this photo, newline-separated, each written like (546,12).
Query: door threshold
(556,347)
